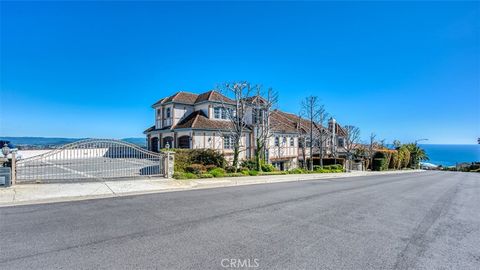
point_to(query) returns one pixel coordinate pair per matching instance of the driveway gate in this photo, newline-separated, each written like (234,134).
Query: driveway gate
(93,159)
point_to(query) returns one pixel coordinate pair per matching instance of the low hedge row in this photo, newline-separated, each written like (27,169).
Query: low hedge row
(219,172)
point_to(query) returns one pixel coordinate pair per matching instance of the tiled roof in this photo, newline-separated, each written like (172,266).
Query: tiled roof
(213,96)
(180,97)
(288,122)
(198,120)
(191,98)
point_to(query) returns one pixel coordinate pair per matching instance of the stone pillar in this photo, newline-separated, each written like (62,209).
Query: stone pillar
(14,167)
(169,164)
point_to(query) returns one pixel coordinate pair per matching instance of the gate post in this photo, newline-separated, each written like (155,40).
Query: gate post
(14,167)
(169,164)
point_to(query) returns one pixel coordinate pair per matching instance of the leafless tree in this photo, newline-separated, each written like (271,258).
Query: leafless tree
(322,133)
(351,140)
(371,148)
(240,93)
(302,139)
(263,104)
(314,112)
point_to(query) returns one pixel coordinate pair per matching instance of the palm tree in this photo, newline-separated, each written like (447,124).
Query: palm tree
(417,154)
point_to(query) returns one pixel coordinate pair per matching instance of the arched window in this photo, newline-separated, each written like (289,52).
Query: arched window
(184,142)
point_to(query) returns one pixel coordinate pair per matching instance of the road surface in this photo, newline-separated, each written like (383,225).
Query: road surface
(426,220)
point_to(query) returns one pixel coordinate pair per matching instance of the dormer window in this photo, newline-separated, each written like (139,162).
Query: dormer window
(222,113)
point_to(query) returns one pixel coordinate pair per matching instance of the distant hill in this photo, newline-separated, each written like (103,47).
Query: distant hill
(44,141)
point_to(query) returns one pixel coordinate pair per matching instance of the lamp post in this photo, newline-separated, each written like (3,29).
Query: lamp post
(5,150)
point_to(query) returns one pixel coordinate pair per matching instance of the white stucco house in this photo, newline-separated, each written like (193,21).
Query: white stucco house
(196,121)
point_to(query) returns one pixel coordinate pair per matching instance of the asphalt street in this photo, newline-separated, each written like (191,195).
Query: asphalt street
(426,220)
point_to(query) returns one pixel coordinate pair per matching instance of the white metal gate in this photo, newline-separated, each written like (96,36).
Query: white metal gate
(90,160)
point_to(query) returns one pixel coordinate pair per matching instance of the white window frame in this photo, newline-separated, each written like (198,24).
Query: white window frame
(292,141)
(227,142)
(277,141)
(217,112)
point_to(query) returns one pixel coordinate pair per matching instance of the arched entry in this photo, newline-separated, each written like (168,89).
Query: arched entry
(154,144)
(184,142)
(168,140)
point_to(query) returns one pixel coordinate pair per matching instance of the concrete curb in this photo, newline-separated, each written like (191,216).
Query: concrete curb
(42,193)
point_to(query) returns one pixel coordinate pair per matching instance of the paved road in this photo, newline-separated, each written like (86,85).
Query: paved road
(427,220)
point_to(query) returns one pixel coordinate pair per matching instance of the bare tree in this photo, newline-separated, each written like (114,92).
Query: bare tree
(262,108)
(315,113)
(371,148)
(323,134)
(351,140)
(236,112)
(302,139)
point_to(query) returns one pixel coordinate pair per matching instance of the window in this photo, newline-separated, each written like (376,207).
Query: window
(308,142)
(158,113)
(216,112)
(168,112)
(284,140)
(277,141)
(222,113)
(340,142)
(227,142)
(257,116)
(292,141)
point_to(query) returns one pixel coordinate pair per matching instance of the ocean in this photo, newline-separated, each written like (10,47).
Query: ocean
(450,154)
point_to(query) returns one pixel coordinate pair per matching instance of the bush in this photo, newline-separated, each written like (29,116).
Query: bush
(317,167)
(273,173)
(245,172)
(196,168)
(205,175)
(253,173)
(217,172)
(267,167)
(207,157)
(182,175)
(230,169)
(296,171)
(234,174)
(249,164)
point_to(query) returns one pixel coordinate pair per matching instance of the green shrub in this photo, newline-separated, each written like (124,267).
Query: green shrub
(317,167)
(208,157)
(234,174)
(196,168)
(217,172)
(337,167)
(245,172)
(273,173)
(249,164)
(230,169)
(205,175)
(267,167)
(379,164)
(182,175)
(296,171)
(253,173)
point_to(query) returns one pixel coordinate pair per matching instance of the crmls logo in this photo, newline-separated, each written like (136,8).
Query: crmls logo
(240,263)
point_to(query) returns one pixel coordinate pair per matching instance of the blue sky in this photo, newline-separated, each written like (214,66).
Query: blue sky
(402,70)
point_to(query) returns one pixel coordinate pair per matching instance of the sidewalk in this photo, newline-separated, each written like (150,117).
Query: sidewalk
(46,193)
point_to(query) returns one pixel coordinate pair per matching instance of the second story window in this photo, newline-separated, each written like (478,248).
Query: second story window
(292,141)
(227,142)
(277,141)
(168,113)
(222,113)
(284,140)
(216,112)
(341,142)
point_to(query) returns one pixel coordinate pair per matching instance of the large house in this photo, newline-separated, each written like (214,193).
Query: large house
(196,121)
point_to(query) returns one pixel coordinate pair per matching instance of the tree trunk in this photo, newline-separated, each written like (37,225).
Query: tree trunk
(257,155)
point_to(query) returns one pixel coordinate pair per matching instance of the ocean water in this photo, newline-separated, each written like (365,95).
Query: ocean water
(450,154)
